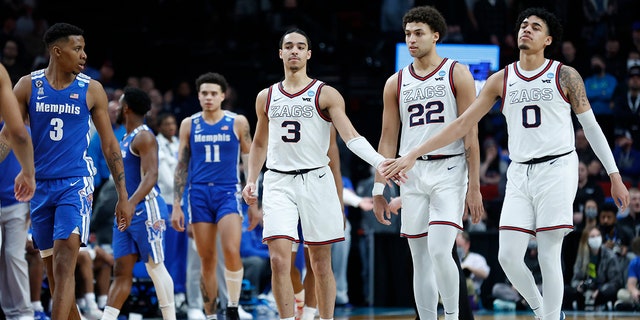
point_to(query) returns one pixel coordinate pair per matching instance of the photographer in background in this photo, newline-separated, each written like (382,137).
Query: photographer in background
(597,275)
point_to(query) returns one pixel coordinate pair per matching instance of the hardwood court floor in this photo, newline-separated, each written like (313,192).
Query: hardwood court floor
(408,314)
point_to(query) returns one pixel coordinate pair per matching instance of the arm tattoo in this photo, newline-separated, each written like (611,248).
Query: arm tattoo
(246,135)
(180,177)
(116,167)
(573,85)
(5,147)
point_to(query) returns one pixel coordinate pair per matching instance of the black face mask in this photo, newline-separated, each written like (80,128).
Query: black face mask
(596,69)
(606,229)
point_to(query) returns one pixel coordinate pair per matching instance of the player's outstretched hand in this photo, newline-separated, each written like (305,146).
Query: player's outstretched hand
(619,192)
(381,210)
(24,187)
(473,203)
(397,169)
(255,216)
(124,213)
(177,219)
(395,205)
(250,193)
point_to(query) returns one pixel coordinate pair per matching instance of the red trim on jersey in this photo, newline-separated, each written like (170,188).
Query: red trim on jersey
(323,242)
(562,226)
(317,101)
(453,87)
(266,106)
(281,87)
(515,68)
(413,73)
(446,223)
(414,236)
(558,83)
(265,240)
(398,89)
(517,229)
(504,86)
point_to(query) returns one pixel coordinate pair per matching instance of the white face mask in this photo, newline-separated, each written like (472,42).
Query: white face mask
(595,242)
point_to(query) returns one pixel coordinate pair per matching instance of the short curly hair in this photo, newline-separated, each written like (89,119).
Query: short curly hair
(554,27)
(428,15)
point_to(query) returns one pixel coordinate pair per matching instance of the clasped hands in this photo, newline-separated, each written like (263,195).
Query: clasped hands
(396,169)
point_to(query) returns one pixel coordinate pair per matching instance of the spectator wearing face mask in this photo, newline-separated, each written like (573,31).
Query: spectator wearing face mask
(614,237)
(597,275)
(585,216)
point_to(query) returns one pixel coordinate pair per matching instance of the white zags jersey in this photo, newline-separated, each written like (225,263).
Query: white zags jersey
(427,105)
(537,113)
(299,133)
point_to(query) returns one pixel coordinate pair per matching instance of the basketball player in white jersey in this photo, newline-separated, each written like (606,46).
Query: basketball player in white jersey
(293,135)
(538,96)
(419,101)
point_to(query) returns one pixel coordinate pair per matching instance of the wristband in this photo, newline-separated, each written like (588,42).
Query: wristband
(378,189)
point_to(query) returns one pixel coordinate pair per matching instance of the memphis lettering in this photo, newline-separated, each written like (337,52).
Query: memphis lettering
(220,137)
(57,108)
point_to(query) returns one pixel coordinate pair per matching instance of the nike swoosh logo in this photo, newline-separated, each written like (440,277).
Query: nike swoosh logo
(139,213)
(449,168)
(74,183)
(510,84)
(405,84)
(322,175)
(40,97)
(553,161)
(276,99)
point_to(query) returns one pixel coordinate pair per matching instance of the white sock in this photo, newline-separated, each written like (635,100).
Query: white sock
(212,317)
(168,311)
(234,285)
(102,301)
(299,298)
(308,313)
(91,300)
(81,302)
(37,306)
(110,313)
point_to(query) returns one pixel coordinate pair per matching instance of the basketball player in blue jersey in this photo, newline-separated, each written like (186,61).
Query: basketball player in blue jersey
(538,96)
(211,145)
(14,135)
(14,222)
(419,101)
(293,135)
(60,103)
(142,241)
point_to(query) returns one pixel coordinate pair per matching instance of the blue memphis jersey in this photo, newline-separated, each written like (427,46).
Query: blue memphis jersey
(215,151)
(131,161)
(60,122)
(10,167)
